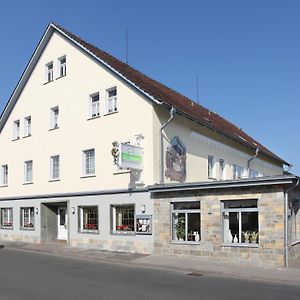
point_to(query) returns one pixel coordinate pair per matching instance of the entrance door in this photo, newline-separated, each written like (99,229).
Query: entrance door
(62,230)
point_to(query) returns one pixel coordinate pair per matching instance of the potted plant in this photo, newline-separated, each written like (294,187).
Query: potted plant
(180,229)
(247,235)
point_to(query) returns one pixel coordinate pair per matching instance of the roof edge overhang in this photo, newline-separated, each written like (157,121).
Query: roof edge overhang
(226,184)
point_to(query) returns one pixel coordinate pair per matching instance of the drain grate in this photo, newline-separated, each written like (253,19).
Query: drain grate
(194,274)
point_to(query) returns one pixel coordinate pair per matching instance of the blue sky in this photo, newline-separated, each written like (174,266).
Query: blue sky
(246,54)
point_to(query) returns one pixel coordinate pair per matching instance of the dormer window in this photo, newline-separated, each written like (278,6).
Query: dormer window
(49,72)
(62,66)
(94,105)
(111,102)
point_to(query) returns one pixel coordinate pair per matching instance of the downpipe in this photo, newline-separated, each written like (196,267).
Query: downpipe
(172,114)
(286,205)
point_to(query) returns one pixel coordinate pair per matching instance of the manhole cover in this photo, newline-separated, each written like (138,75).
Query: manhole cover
(194,274)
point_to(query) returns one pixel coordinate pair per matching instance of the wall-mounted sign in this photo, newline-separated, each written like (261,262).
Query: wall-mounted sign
(176,160)
(143,224)
(130,157)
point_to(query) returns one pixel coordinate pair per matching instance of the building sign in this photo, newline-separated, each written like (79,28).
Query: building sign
(130,157)
(176,160)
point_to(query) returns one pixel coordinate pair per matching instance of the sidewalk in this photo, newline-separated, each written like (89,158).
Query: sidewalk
(192,266)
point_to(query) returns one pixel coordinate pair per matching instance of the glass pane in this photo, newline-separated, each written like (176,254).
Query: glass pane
(124,218)
(249,227)
(186,205)
(194,227)
(230,227)
(90,218)
(62,217)
(240,204)
(178,227)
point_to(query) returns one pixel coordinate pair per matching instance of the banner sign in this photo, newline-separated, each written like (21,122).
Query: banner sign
(130,157)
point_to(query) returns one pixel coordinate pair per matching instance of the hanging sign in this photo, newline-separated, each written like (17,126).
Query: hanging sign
(130,157)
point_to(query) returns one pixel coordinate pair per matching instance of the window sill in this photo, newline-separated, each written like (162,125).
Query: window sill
(8,228)
(27,136)
(3,185)
(92,118)
(16,139)
(27,228)
(88,176)
(212,178)
(241,245)
(130,233)
(26,183)
(54,180)
(118,172)
(89,231)
(54,128)
(111,113)
(184,243)
(60,77)
(47,82)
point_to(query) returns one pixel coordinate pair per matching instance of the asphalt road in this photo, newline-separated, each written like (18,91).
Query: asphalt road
(25,275)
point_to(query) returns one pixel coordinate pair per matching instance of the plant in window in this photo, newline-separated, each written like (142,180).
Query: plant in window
(247,235)
(254,237)
(180,228)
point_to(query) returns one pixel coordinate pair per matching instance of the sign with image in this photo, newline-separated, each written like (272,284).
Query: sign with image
(130,157)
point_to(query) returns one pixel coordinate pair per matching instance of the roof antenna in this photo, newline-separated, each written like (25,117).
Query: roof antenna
(126,60)
(197,90)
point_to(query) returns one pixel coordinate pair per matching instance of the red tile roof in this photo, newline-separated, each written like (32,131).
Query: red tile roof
(170,97)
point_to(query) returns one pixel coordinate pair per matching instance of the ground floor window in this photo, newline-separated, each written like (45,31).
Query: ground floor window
(27,217)
(240,222)
(88,218)
(294,220)
(123,219)
(7,217)
(186,221)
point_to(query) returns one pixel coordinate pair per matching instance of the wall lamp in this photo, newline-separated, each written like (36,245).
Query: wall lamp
(73,210)
(36,210)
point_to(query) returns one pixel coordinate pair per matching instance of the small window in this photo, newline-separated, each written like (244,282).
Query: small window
(16,130)
(54,167)
(111,102)
(28,171)
(62,66)
(186,222)
(253,173)
(27,126)
(240,222)
(7,218)
(123,219)
(211,166)
(49,72)
(54,115)
(94,106)
(27,217)
(88,219)
(4,175)
(294,220)
(222,174)
(89,162)
(238,171)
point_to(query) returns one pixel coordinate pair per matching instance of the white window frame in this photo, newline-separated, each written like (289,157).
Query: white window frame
(82,228)
(113,100)
(4,175)
(225,213)
(54,174)
(211,167)
(222,169)
(16,130)
(237,171)
(27,126)
(61,67)
(54,117)
(94,106)
(27,178)
(85,171)
(114,225)
(7,218)
(27,218)
(186,211)
(49,72)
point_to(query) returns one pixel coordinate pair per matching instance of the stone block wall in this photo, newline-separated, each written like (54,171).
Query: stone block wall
(269,252)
